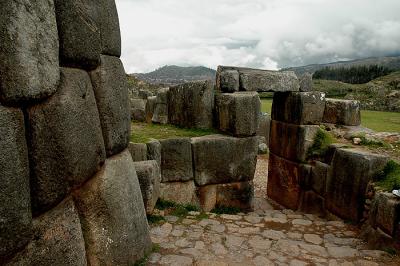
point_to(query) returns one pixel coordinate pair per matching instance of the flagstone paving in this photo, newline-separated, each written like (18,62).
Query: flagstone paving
(263,237)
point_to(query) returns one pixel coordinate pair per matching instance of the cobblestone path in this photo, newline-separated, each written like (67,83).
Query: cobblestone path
(263,237)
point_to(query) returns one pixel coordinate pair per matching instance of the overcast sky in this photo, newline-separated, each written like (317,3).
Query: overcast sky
(268,34)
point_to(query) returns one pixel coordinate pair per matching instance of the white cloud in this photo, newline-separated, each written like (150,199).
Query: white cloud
(256,33)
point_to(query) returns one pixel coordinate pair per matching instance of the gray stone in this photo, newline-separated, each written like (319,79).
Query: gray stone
(301,108)
(66,143)
(175,260)
(58,239)
(227,80)
(149,176)
(291,141)
(191,105)
(350,172)
(150,107)
(160,115)
(186,195)
(262,148)
(385,212)
(154,151)
(312,203)
(306,82)
(138,151)
(343,112)
(109,28)
(111,91)
(238,113)
(216,159)
(79,31)
(342,252)
(176,160)
(29,68)
(264,126)
(318,176)
(138,109)
(239,195)
(15,205)
(112,214)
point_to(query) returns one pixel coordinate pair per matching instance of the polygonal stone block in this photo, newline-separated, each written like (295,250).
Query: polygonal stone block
(386,208)
(29,68)
(342,112)
(109,28)
(238,113)
(221,159)
(111,91)
(66,144)
(112,214)
(176,160)
(264,127)
(154,151)
(227,80)
(179,192)
(15,205)
(138,151)
(160,115)
(301,108)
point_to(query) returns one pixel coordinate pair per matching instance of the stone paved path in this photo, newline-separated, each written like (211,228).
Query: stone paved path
(263,237)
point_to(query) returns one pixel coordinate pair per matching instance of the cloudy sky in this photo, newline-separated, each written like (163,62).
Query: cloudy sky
(268,34)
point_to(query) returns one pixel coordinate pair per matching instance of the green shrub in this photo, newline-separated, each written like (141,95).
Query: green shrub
(389,178)
(321,144)
(225,210)
(164,204)
(155,219)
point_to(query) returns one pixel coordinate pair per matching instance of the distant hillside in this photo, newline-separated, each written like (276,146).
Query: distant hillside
(172,75)
(392,63)
(381,94)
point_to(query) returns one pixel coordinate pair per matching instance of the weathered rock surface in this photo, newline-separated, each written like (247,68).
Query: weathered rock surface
(227,80)
(284,179)
(191,105)
(28,51)
(111,91)
(138,151)
(351,170)
(256,80)
(154,151)
(160,115)
(149,109)
(302,108)
(291,141)
(318,177)
(66,143)
(109,28)
(238,113)
(264,127)
(79,31)
(385,212)
(138,109)
(58,239)
(179,192)
(112,214)
(343,112)
(15,205)
(239,195)
(306,83)
(176,160)
(222,159)
(149,176)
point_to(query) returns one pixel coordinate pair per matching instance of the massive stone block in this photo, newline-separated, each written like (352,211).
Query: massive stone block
(29,68)
(221,159)
(66,144)
(227,80)
(176,160)
(160,114)
(154,151)
(111,91)
(318,177)
(138,109)
(138,151)
(385,212)
(302,108)
(79,30)
(285,179)
(109,28)
(291,141)
(149,176)
(191,105)
(350,172)
(179,192)
(256,80)
(238,113)
(112,214)
(264,127)
(15,206)
(239,195)
(306,83)
(58,239)
(343,112)
(150,107)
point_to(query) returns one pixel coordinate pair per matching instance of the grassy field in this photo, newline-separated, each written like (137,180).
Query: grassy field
(378,121)
(143,132)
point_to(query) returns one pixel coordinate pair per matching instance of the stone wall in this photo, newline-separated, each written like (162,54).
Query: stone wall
(70,194)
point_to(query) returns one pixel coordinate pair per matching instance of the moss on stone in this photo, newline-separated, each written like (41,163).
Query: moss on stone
(321,144)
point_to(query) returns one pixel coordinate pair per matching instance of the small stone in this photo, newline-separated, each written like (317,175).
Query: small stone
(182,243)
(298,263)
(342,252)
(162,231)
(262,261)
(275,220)
(231,217)
(219,249)
(177,233)
(366,263)
(357,141)
(273,234)
(301,222)
(253,219)
(192,251)
(294,235)
(199,245)
(193,213)
(219,228)
(171,219)
(258,242)
(154,257)
(234,241)
(175,260)
(313,238)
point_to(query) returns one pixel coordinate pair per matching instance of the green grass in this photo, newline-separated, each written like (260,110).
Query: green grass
(389,178)
(381,121)
(176,209)
(225,210)
(143,132)
(164,204)
(321,144)
(143,261)
(155,219)
(375,120)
